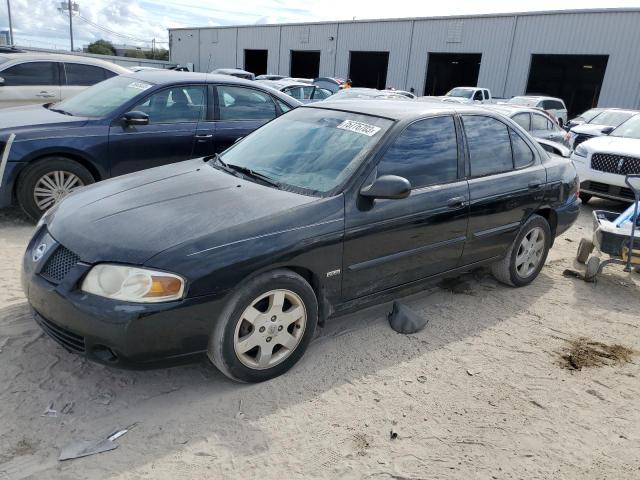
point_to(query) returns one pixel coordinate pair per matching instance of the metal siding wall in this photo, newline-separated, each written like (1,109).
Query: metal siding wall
(222,51)
(184,47)
(392,37)
(259,38)
(489,36)
(318,41)
(613,34)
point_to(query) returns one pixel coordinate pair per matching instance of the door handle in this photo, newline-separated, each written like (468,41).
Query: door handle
(201,137)
(534,185)
(456,202)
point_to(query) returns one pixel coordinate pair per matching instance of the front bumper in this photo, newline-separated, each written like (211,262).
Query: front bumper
(601,184)
(127,335)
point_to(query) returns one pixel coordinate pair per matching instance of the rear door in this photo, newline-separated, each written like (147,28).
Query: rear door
(30,83)
(393,242)
(506,185)
(78,76)
(174,113)
(239,110)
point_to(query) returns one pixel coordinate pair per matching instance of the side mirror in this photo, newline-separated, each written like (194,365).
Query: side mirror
(136,118)
(389,187)
(607,130)
(1,81)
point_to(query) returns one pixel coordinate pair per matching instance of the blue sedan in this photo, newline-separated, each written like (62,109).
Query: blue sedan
(122,125)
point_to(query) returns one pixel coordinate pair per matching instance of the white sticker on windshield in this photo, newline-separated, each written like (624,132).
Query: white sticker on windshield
(359,127)
(139,85)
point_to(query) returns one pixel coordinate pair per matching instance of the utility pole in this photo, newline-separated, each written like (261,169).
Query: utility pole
(10,23)
(70,23)
(153,48)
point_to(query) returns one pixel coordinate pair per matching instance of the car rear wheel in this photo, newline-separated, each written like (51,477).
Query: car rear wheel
(46,182)
(526,255)
(265,327)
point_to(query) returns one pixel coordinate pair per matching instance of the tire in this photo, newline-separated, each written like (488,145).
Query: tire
(236,345)
(585,197)
(585,248)
(593,264)
(71,175)
(508,271)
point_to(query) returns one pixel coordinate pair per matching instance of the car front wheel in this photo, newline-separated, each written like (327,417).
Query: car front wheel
(526,255)
(265,327)
(47,182)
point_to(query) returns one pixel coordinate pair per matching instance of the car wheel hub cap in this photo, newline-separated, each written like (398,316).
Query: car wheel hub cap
(530,252)
(53,187)
(270,329)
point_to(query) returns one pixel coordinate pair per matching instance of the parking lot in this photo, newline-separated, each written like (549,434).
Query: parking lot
(481,392)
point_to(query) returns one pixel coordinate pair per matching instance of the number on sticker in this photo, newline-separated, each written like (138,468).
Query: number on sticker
(359,127)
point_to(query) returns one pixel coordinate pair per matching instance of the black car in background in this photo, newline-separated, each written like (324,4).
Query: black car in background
(124,124)
(333,205)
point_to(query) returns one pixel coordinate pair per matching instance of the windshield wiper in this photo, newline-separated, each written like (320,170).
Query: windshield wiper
(64,112)
(247,172)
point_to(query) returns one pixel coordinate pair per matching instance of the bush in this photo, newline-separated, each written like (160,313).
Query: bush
(101,47)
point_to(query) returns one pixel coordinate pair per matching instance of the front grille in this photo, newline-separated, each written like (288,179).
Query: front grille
(619,164)
(581,137)
(59,264)
(64,337)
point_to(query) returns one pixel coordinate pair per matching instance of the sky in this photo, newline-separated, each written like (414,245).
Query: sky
(39,23)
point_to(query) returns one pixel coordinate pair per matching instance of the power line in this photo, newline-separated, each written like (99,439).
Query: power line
(113,32)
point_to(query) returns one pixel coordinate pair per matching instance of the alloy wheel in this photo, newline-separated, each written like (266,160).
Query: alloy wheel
(270,329)
(530,252)
(52,187)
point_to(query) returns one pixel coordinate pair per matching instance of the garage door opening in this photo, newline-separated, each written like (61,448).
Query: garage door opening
(305,64)
(449,70)
(255,61)
(369,69)
(577,79)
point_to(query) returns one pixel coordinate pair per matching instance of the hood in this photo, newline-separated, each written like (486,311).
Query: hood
(455,99)
(589,129)
(34,116)
(616,145)
(130,219)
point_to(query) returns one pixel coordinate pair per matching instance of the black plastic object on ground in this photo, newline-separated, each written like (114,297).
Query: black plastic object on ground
(404,320)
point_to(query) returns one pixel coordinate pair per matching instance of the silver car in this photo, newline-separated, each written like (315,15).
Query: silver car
(554,106)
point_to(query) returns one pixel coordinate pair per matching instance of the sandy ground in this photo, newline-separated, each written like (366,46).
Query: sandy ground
(479,393)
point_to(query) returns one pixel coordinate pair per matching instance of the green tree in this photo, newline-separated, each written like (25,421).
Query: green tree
(159,54)
(134,53)
(101,47)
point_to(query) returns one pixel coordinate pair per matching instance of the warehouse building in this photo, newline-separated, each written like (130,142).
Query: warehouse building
(587,57)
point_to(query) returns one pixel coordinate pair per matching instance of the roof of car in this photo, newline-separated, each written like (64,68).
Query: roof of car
(169,76)
(394,109)
(511,109)
(34,56)
(538,97)
(283,83)
(231,70)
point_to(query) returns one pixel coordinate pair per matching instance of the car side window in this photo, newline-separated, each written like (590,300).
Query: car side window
(477,95)
(524,120)
(486,94)
(489,145)
(31,73)
(78,74)
(522,153)
(180,104)
(321,93)
(425,153)
(240,103)
(539,122)
(284,108)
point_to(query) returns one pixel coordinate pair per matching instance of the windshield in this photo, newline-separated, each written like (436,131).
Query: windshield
(315,149)
(526,101)
(611,118)
(103,98)
(629,129)
(590,114)
(460,92)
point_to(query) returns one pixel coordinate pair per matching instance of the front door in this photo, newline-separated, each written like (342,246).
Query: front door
(239,111)
(506,185)
(30,83)
(394,242)
(174,114)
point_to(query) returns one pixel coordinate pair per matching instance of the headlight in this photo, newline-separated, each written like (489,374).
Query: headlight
(581,151)
(132,284)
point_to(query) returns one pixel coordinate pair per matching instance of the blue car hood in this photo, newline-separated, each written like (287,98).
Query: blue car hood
(34,116)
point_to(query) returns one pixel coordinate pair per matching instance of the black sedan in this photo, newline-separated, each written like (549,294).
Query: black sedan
(334,205)
(124,124)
